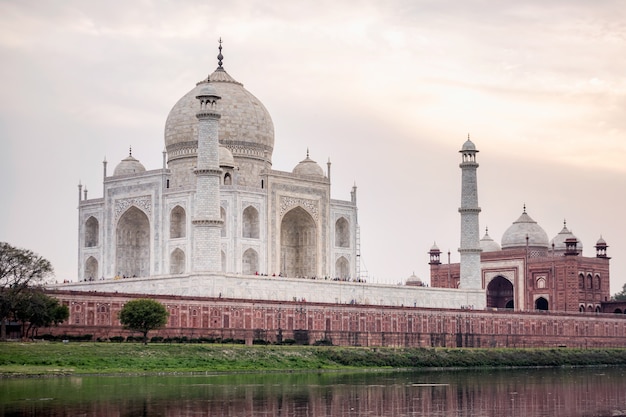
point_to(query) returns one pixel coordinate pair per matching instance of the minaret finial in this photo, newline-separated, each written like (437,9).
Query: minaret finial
(524,208)
(307,152)
(468,137)
(130,151)
(220,56)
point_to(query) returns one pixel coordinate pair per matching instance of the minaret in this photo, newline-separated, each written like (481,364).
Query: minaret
(470,239)
(206,217)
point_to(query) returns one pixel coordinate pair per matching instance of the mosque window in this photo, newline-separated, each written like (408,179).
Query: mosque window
(597,282)
(541,282)
(589,282)
(177,222)
(581,281)
(342,233)
(177,262)
(228,179)
(250,223)
(91,232)
(91,269)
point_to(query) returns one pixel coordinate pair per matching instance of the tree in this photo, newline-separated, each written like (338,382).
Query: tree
(620,296)
(35,309)
(143,315)
(19,270)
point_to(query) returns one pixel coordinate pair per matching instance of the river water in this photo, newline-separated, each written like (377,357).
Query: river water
(520,392)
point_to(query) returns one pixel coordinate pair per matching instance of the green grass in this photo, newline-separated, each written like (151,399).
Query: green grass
(50,358)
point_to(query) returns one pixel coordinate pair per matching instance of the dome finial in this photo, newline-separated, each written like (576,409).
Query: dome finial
(524,208)
(220,56)
(130,151)
(307,152)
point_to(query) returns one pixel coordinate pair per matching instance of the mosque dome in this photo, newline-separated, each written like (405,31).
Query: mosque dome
(487,244)
(245,128)
(601,242)
(245,122)
(414,281)
(309,168)
(468,146)
(525,226)
(559,239)
(226,158)
(129,166)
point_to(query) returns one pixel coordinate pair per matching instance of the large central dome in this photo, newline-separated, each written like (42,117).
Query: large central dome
(245,128)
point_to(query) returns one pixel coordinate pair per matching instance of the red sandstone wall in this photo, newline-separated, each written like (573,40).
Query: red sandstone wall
(347,325)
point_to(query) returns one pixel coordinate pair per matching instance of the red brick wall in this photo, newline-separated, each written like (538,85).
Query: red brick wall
(345,324)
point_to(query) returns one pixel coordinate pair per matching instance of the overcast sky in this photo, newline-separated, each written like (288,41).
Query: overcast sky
(387,90)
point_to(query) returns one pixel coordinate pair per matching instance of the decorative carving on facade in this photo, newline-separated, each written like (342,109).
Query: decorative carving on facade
(287,203)
(144,203)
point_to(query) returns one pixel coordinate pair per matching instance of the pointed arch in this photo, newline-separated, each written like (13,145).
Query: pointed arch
(92,230)
(250,227)
(342,268)
(132,252)
(250,262)
(298,244)
(589,282)
(500,293)
(581,281)
(178,222)
(342,233)
(177,262)
(91,269)
(228,180)
(541,304)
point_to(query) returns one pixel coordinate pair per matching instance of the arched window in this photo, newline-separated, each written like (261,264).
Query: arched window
(250,223)
(228,179)
(541,282)
(598,309)
(91,269)
(250,262)
(298,244)
(342,233)
(133,244)
(597,282)
(223,217)
(342,268)
(581,281)
(581,309)
(223,261)
(177,262)
(541,304)
(589,282)
(177,222)
(91,232)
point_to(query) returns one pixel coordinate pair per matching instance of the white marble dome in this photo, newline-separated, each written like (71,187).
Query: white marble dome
(245,124)
(226,158)
(559,239)
(487,244)
(414,281)
(129,166)
(525,226)
(309,168)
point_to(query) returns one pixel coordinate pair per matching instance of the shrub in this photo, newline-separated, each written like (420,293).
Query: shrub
(116,339)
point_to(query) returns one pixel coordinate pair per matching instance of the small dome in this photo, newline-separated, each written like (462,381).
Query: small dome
(414,281)
(601,242)
(434,247)
(309,168)
(226,158)
(487,244)
(129,166)
(525,226)
(207,90)
(559,239)
(468,146)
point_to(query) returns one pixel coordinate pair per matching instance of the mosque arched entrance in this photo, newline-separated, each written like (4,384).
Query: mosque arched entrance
(541,304)
(298,244)
(500,293)
(132,252)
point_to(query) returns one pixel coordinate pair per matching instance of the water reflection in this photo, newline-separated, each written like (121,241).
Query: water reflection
(543,392)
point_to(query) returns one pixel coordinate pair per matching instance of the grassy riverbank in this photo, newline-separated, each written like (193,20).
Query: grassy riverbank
(49,358)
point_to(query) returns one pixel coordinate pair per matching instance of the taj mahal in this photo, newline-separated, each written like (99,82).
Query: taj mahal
(215,220)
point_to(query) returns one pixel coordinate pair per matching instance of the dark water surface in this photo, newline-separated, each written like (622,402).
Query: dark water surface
(525,393)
